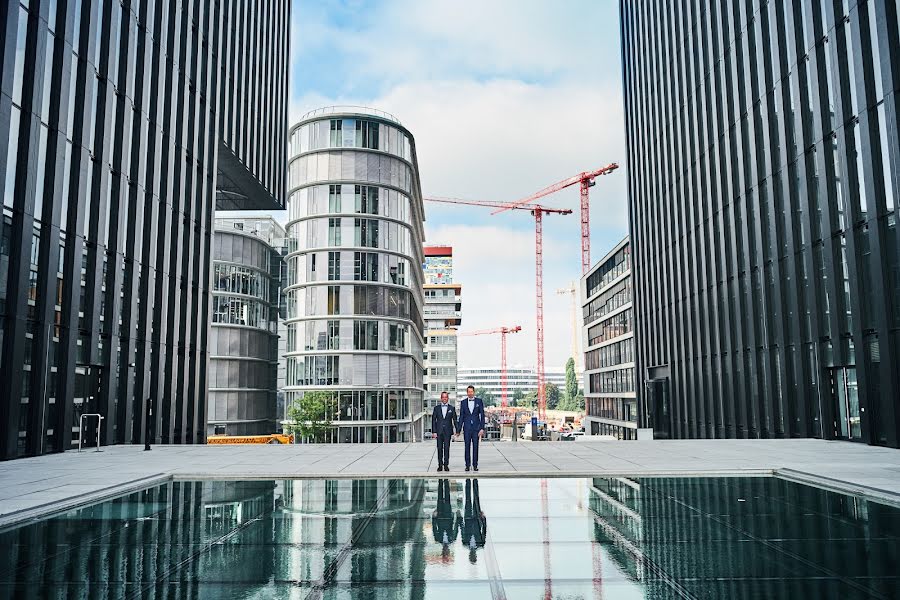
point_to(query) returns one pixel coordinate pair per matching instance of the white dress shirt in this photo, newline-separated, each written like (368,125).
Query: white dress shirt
(444,410)
(472,406)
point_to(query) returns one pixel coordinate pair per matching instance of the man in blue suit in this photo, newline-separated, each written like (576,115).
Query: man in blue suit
(471,423)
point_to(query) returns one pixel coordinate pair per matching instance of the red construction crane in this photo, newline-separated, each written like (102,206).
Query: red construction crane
(538,212)
(502,331)
(586,180)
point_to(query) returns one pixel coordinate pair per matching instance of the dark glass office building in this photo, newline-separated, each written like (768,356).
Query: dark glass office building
(123,119)
(763,179)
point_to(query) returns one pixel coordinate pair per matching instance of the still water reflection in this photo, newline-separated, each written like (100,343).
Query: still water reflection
(735,538)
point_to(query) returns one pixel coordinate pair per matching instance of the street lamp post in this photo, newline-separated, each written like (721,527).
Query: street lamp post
(149,425)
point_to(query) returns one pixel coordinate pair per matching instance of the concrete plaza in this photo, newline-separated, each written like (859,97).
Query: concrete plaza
(33,487)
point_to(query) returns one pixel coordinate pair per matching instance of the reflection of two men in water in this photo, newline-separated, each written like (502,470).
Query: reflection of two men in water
(471,523)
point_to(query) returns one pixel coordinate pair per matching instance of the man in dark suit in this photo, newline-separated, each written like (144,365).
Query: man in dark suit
(471,423)
(443,425)
(444,523)
(474,524)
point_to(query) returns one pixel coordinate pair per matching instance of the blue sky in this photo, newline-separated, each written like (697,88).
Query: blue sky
(504,97)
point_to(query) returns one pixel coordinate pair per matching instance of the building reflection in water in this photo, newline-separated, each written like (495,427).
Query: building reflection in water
(736,538)
(746,538)
(202,539)
(143,545)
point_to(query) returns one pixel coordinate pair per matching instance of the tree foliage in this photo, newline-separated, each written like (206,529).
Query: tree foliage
(551,392)
(529,400)
(571,381)
(486,396)
(310,415)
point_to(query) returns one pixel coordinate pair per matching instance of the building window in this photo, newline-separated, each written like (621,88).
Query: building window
(334,266)
(334,231)
(365,335)
(336,135)
(367,135)
(365,266)
(334,299)
(334,199)
(366,199)
(334,335)
(366,232)
(397,337)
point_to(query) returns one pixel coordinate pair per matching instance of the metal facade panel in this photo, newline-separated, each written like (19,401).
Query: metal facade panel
(763,167)
(127,103)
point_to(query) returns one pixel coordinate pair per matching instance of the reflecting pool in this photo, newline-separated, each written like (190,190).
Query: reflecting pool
(733,538)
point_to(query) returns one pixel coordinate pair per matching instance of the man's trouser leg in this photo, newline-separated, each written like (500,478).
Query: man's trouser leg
(467,437)
(440,448)
(475,441)
(444,448)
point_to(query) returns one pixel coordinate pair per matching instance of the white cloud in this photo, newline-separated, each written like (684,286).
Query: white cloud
(502,140)
(393,41)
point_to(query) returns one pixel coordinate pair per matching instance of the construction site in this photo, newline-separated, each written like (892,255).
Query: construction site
(536,423)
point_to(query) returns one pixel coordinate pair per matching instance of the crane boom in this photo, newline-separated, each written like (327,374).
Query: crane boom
(500,205)
(586,180)
(586,175)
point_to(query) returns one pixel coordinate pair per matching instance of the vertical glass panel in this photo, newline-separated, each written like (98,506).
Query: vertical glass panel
(12,157)
(76,29)
(860,184)
(19,70)
(853,405)
(48,80)
(889,191)
(40,172)
(348,133)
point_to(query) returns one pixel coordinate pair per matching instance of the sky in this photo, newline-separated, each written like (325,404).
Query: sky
(503,97)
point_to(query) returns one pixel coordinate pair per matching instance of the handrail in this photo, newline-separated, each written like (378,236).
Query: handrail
(81,428)
(349,108)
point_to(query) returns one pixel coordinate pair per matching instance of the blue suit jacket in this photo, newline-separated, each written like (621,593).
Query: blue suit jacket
(473,421)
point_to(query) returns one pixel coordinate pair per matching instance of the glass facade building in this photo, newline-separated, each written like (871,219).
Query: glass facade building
(122,119)
(608,337)
(764,169)
(443,316)
(521,379)
(354,322)
(243,340)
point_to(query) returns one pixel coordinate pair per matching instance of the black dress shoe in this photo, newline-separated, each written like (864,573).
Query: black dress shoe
(467,468)
(440,467)
(474,468)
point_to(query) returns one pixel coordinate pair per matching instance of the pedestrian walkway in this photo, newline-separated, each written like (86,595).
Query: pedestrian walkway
(34,486)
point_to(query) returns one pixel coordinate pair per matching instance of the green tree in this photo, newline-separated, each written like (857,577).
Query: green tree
(486,396)
(517,397)
(310,415)
(571,383)
(551,392)
(529,400)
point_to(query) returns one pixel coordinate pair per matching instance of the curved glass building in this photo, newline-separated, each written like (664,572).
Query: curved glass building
(354,268)
(243,338)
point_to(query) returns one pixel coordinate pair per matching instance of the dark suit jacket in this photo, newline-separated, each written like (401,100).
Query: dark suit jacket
(444,522)
(440,424)
(474,420)
(474,523)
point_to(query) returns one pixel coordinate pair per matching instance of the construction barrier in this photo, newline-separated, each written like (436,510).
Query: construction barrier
(272,438)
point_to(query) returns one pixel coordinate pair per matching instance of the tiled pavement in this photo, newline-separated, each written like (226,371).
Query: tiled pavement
(34,486)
